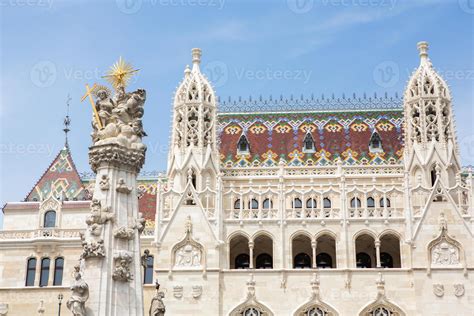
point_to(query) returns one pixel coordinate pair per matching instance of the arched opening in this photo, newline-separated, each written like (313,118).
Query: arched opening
(308,143)
(49,219)
(237,204)
(375,143)
(148,270)
(370,202)
(253,204)
(30,272)
(327,203)
(355,203)
(263,252)
(390,251)
(239,249)
(267,204)
(297,203)
(243,146)
(302,252)
(311,203)
(365,251)
(58,271)
(44,275)
(384,201)
(433,176)
(326,252)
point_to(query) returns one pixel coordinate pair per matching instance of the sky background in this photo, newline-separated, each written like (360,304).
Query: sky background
(50,49)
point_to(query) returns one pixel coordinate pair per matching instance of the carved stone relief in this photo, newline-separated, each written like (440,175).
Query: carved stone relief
(438,290)
(121,271)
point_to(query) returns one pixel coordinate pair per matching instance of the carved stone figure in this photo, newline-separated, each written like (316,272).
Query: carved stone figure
(99,215)
(92,248)
(443,224)
(122,267)
(144,258)
(104,183)
(104,105)
(157,307)
(122,187)
(140,223)
(80,294)
(445,254)
(124,233)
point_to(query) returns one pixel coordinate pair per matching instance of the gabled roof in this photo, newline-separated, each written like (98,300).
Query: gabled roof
(60,179)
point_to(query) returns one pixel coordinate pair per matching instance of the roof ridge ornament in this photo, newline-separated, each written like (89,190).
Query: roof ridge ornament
(423,49)
(196,53)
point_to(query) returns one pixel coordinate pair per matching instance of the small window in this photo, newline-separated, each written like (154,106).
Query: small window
(370,202)
(324,261)
(311,203)
(237,204)
(58,271)
(252,311)
(49,219)
(267,204)
(148,273)
(243,145)
(375,143)
(433,176)
(363,260)
(264,261)
(242,261)
(44,275)
(327,203)
(308,144)
(302,261)
(355,202)
(382,203)
(30,272)
(253,204)
(297,203)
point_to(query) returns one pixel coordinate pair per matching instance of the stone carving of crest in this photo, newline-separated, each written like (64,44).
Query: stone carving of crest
(459,290)
(444,251)
(188,253)
(197,291)
(438,290)
(178,291)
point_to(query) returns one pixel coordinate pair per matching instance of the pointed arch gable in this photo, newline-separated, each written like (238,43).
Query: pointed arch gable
(315,303)
(382,302)
(251,302)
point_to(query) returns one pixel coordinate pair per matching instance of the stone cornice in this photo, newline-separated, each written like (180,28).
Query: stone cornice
(116,155)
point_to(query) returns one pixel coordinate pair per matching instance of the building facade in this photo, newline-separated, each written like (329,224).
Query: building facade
(330,206)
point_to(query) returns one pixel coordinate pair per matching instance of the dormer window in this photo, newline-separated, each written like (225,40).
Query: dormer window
(375,143)
(243,146)
(308,144)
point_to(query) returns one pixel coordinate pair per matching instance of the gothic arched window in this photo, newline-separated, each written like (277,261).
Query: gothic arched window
(264,261)
(327,203)
(242,261)
(311,203)
(375,143)
(316,311)
(243,146)
(381,311)
(58,271)
(251,311)
(297,203)
(382,203)
(363,260)
(237,204)
(370,202)
(49,219)
(30,272)
(323,260)
(267,204)
(253,204)
(308,144)
(355,202)
(302,261)
(44,275)
(148,270)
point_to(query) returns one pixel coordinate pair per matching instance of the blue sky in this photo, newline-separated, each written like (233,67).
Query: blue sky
(52,48)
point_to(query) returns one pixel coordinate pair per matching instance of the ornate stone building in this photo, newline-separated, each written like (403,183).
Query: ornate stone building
(330,206)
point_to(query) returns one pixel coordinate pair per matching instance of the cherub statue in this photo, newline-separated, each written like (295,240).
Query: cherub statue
(80,294)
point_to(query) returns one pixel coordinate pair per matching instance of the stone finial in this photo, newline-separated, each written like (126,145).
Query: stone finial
(423,49)
(196,53)
(251,286)
(380,285)
(315,285)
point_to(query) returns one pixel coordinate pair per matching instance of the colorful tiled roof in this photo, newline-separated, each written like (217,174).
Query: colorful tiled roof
(60,179)
(343,134)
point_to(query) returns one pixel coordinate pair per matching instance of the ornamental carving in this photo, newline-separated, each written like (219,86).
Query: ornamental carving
(178,291)
(382,306)
(438,290)
(116,155)
(188,253)
(459,290)
(104,183)
(122,262)
(445,253)
(197,291)
(251,306)
(92,248)
(122,187)
(124,233)
(315,306)
(99,215)
(80,294)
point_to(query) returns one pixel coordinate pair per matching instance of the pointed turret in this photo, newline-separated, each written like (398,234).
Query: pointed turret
(429,133)
(193,145)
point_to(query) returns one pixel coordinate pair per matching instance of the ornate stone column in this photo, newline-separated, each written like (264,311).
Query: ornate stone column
(251,243)
(377,253)
(111,258)
(314,245)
